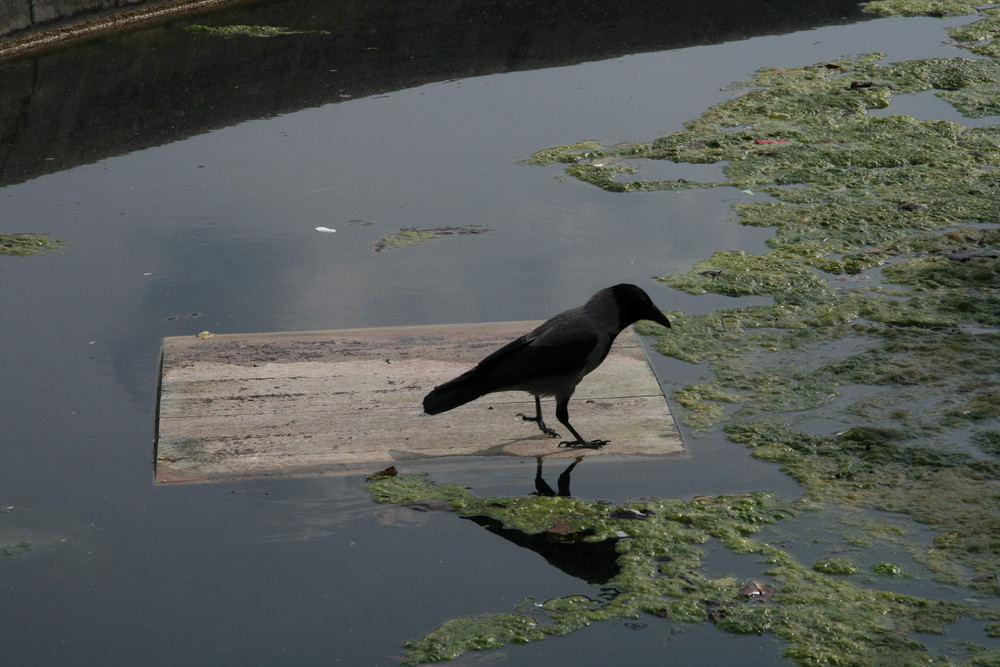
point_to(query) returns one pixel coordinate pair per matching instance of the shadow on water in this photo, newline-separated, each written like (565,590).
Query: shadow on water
(163,84)
(189,173)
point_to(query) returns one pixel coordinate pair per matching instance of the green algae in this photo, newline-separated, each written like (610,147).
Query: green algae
(14,548)
(980,37)
(23,245)
(975,102)
(839,157)
(951,491)
(921,345)
(835,565)
(887,569)
(908,209)
(988,441)
(250,30)
(824,618)
(892,198)
(737,273)
(570,153)
(920,7)
(409,236)
(404,238)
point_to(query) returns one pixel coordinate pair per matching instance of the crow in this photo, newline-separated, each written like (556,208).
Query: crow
(552,359)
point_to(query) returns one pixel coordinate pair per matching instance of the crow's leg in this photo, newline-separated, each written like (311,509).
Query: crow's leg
(538,419)
(564,478)
(542,487)
(562,414)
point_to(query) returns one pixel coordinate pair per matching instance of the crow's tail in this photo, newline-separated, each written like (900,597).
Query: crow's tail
(451,394)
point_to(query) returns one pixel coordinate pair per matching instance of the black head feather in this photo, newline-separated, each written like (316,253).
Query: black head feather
(634,305)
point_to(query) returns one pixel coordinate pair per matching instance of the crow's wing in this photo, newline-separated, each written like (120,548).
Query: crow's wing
(521,364)
(524,360)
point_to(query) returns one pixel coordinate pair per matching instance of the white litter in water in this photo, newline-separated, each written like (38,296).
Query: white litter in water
(325,229)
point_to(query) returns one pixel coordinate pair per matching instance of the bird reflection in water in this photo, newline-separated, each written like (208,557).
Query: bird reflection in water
(542,487)
(571,552)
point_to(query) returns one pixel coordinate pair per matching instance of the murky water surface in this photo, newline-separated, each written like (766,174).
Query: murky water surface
(214,228)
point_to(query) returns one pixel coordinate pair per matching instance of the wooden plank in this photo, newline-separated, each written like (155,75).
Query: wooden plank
(323,402)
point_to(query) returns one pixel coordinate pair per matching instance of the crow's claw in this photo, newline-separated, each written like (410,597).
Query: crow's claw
(541,425)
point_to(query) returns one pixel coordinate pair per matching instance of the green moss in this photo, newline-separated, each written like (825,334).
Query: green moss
(920,7)
(403,238)
(250,30)
(987,28)
(835,565)
(887,569)
(408,236)
(988,441)
(14,548)
(975,102)
(840,156)
(458,635)
(894,198)
(823,619)
(27,244)
(582,150)
(979,656)
(950,491)
(737,273)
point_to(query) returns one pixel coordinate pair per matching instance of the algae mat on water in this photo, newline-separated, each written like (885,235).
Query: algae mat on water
(27,244)
(884,271)
(657,549)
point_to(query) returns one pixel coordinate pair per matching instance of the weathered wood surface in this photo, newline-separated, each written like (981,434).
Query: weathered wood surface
(321,402)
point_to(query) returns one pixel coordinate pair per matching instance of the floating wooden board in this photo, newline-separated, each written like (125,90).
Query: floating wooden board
(323,402)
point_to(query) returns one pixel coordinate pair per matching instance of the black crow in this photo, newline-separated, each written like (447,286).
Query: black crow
(552,359)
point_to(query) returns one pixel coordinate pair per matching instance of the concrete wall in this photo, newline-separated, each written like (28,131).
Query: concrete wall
(14,15)
(18,15)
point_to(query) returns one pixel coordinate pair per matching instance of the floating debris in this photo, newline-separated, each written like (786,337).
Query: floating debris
(966,255)
(408,236)
(755,589)
(250,30)
(630,514)
(14,548)
(388,472)
(25,244)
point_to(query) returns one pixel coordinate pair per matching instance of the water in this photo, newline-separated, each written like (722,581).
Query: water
(201,193)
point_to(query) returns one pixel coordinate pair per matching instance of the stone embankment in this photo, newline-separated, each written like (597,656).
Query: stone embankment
(33,25)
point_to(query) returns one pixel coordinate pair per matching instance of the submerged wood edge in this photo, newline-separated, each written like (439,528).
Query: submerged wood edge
(367,469)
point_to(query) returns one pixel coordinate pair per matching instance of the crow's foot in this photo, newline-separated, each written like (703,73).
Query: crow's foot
(541,425)
(592,444)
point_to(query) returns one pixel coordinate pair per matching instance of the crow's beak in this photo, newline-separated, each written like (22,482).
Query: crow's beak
(659,318)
